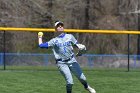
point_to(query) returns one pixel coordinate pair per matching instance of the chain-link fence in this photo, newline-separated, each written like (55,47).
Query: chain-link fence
(44,61)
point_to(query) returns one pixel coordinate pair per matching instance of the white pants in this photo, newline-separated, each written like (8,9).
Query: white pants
(67,68)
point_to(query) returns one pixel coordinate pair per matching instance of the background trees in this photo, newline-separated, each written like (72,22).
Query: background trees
(78,14)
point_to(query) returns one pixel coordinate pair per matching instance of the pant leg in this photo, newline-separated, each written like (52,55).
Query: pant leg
(65,71)
(76,69)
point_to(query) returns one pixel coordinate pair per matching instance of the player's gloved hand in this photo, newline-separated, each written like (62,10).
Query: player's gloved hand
(82,49)
(81,46)
(80,52)
(40,34)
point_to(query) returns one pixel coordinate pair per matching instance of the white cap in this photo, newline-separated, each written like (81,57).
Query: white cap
(58,22)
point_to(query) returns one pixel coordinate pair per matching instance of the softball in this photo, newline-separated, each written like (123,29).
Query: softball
(40,33)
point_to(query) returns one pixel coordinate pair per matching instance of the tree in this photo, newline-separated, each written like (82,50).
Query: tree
(138,40)
(87,14)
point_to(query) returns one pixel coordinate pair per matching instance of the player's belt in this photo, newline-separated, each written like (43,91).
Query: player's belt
(65,60)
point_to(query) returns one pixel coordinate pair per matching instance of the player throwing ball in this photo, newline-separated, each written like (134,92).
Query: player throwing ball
(62,47)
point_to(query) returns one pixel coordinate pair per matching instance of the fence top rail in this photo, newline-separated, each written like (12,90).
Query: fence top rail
(70,30)
(40,54)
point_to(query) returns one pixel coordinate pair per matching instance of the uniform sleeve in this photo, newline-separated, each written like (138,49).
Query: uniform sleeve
(74,41)
(47,44)
(44,45)
(51,43)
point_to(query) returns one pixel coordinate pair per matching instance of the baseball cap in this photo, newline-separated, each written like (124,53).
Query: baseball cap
(58,23)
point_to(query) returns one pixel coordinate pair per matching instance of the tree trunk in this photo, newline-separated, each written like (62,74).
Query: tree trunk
(87,15)
(138,44)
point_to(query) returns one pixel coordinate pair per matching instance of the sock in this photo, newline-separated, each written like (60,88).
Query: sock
(85,85)
(69,88)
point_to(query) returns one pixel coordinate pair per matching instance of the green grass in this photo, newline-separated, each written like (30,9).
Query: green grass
(51,81)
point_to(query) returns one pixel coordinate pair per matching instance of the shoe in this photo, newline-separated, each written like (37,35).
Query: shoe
(91,90)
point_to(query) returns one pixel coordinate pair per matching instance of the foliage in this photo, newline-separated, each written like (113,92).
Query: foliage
(78,14)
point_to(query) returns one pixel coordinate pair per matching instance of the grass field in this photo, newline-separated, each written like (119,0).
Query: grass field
(50,81)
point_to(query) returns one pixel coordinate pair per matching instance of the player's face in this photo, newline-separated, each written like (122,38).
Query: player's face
(59,28)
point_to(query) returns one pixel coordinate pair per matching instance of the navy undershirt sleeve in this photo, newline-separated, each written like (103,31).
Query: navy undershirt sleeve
(44,45)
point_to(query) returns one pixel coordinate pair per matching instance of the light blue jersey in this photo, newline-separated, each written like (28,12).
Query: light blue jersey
(62,46)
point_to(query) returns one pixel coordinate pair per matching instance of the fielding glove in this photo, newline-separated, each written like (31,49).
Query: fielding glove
(82,49)
(81,46)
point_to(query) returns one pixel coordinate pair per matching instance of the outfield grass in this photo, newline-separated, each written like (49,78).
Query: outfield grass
(50,81)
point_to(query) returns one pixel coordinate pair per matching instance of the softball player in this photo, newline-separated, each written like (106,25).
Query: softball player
(64,56)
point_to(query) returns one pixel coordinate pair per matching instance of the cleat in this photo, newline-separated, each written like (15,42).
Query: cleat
(91,90)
